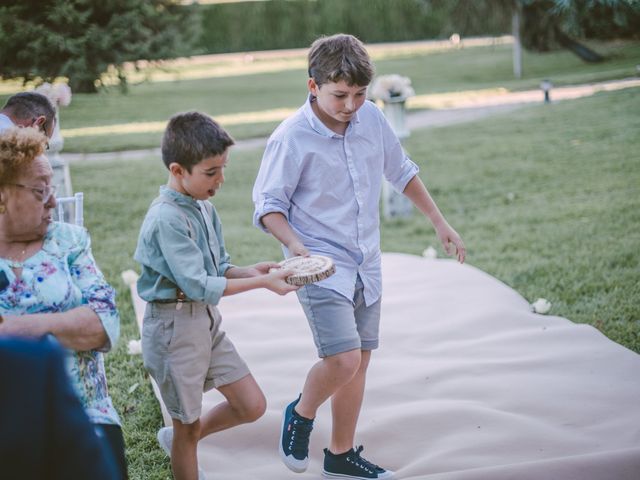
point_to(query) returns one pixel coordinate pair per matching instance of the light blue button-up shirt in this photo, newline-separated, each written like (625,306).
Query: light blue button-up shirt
(5,122)
(181,245)
(328,187)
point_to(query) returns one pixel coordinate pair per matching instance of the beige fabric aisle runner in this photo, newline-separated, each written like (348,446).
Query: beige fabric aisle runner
(468,385)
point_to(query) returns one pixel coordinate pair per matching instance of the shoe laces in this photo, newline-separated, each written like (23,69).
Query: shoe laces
(358,459)
(300,432)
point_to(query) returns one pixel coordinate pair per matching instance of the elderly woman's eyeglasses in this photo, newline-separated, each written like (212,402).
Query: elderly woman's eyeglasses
(43,194)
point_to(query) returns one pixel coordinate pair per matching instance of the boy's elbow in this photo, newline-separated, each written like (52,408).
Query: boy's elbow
(268,220)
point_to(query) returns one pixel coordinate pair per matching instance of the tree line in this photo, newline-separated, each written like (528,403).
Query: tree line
(41,40)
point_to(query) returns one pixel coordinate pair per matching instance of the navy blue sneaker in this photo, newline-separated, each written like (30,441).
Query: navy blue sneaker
(351,465)
(294,439)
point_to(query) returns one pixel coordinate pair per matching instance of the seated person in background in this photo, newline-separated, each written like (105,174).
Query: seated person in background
(49,281)
(28,109)
(45,432)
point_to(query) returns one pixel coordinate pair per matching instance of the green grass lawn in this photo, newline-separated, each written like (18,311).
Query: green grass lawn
(547,199)
(432,72)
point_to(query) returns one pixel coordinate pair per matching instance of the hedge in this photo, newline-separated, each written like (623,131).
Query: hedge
(274,24)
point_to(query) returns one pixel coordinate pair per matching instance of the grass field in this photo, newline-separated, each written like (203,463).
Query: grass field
(236,88)
(547,199)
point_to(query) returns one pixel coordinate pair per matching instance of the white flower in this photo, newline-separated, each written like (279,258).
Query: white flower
(390,87)
(541,306)
(63,93)
(129,277)
(134,347)
(59,94)
(430,252)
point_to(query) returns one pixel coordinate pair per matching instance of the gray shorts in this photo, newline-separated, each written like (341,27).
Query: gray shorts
(337,323)
(187,353)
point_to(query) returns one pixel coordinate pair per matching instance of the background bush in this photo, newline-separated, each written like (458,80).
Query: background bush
(277,24)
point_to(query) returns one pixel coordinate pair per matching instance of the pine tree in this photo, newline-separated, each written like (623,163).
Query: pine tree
(81,39)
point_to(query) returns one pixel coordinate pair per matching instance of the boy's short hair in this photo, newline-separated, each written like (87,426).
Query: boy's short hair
(27,105)
(191,137)
(340,57)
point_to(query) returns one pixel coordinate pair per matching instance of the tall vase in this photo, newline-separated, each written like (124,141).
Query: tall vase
(395,204)
(396,112)
(61,176)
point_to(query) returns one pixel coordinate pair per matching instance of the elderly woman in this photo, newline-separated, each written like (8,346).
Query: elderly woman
(49,281)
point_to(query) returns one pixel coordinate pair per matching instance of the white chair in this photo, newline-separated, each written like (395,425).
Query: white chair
(77,211)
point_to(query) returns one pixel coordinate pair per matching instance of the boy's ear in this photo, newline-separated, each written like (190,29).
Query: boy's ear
(176,169)
(313,87)
(39,121)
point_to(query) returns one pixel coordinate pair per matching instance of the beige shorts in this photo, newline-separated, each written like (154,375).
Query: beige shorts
(187,353)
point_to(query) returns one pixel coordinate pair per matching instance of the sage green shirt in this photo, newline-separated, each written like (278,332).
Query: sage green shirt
(181,245)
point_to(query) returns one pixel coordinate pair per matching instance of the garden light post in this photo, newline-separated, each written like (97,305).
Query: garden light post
(546,87)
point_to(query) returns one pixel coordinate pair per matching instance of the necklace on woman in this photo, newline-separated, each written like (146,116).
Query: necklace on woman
(14,262)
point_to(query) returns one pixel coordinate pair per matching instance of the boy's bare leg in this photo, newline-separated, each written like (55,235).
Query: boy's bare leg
(244,403)
(184,460)
(345,408)
(325,378)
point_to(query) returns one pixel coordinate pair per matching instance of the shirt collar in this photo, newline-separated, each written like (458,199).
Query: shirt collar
(4,119)
(320,127)
(178,197)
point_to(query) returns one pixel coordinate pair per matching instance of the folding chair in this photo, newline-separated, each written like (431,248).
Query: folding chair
(76,202)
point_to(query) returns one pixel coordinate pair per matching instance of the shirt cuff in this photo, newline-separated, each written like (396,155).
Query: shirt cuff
(111,323)
(214,289)
(401,183)
(268,207)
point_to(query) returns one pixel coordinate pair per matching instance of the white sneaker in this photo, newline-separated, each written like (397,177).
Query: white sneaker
(165,439)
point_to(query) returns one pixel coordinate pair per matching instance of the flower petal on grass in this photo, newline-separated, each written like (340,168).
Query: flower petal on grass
(129,277)
(430,252)
(541,306)
(134,347)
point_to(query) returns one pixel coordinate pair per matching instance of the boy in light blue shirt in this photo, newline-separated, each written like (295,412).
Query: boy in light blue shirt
(185,271)
(318,191)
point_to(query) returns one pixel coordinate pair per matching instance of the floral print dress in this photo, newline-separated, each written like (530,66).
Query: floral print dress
(61,276)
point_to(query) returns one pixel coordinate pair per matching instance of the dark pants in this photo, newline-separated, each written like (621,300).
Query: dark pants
(111,436)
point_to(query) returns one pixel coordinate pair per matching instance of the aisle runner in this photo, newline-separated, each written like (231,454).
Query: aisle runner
(468,385)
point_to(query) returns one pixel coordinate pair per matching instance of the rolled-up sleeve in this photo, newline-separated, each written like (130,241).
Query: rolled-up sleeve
(399,169)
(277,178)
(97,294)
(185,263)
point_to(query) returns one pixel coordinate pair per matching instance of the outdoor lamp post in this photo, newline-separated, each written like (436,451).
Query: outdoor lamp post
(546,87)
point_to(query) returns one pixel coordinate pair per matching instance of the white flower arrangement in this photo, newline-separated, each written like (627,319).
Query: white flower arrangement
(389,88)
(58,94)
(541,306)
